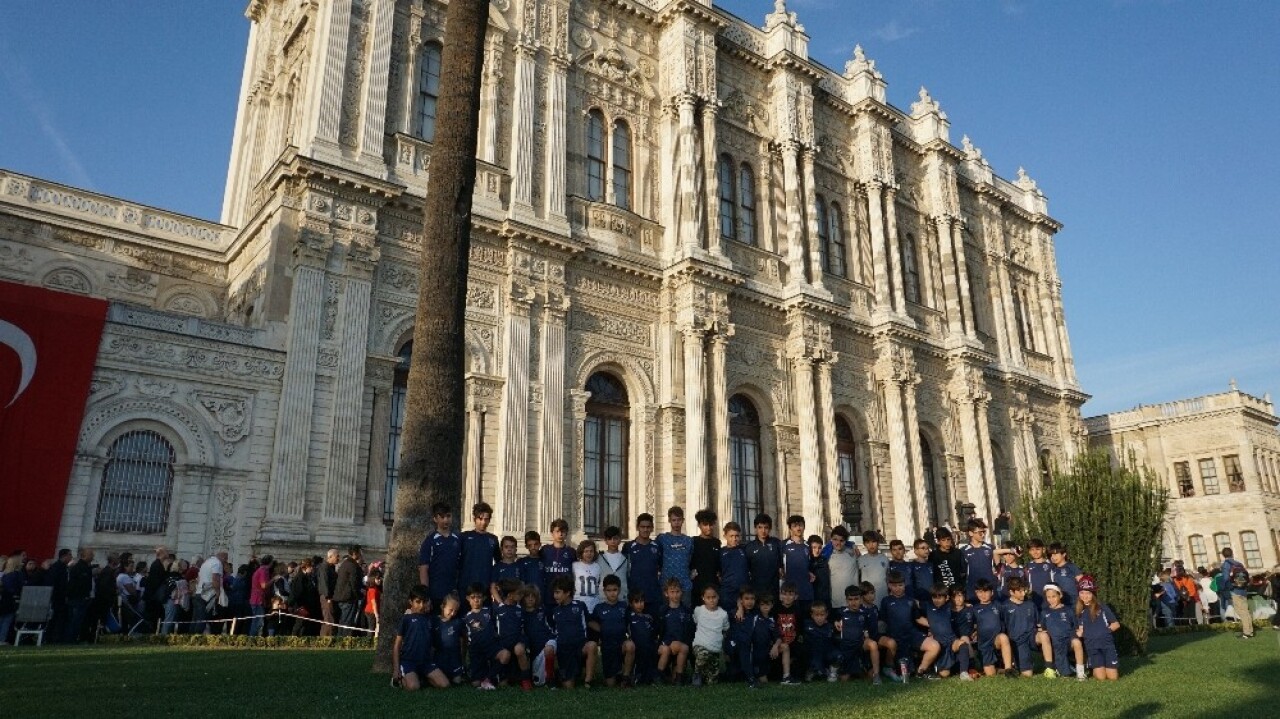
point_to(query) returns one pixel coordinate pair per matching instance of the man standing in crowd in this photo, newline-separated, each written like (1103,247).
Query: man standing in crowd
(157,585)
(326,583)
(259,593)
(79,594)
(208,591)
(346,591)
(1231,585)
(56,577)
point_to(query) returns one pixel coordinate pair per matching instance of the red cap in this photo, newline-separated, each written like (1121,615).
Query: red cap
(1087,584)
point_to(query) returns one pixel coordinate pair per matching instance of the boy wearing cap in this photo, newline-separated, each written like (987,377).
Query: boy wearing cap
(949,568)
(872,565)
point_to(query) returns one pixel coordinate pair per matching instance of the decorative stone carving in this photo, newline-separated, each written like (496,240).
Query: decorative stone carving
(230,415)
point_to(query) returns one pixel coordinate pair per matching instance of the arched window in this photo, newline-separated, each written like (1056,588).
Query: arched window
(136,484)
(621,164)
(399,389)
(744,460)
(835,231)
(1221,540)
(724,173)
(935,494)
(910,268)
(820,208)
(1252,552)
(428,90)
(1199,556)
(846,451)
(595,156)
(746,205)
(1046,469)
(605,454)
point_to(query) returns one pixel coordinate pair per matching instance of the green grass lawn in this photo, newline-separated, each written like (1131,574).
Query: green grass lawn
(1193,675)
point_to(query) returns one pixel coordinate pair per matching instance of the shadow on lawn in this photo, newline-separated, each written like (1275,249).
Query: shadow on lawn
(1043,709)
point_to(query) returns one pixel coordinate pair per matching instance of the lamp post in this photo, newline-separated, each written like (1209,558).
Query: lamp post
(851,509)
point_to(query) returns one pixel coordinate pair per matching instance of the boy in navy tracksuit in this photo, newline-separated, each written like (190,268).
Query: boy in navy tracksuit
(508,621)
(795,564)
(641,630)
(539,638)
(483,665)
(820,644)
(953,648)
(412,660)
(1057,636)
(989,626)
(479,550)
(734,571)
(753,641)
(569,619)
(675,629)
(645,558)
(900,613)
(855,640)
(447,636)
(1020,622)
(609,620)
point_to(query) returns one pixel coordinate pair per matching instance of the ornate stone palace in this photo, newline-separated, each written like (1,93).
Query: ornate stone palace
(1219,457)
(706,270)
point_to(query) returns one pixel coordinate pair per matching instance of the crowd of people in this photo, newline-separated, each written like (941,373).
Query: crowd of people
(309,597)
(1209,595)
(718,606)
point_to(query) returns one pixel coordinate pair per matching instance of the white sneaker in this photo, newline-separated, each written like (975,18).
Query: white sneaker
(832,674)
(964,677)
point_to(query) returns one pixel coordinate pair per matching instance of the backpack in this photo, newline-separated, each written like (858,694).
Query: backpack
(1239,577)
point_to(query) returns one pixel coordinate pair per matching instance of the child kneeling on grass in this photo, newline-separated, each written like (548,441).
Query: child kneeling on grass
(411,656)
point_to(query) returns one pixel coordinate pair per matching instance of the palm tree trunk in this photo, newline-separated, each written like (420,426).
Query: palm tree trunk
(431,453)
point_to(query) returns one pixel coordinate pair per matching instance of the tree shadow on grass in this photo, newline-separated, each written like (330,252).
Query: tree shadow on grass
(1141,711)
(1043,709)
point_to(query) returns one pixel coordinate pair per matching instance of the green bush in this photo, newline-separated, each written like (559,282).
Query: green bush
(1111,519)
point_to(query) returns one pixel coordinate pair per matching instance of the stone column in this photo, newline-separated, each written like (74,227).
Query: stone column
(373,133)
(831,476)
(572,503)
(695,430)
(899,461)
(974,464)
(329,68)
(710,161)
(523,108)
(1060,320)
(895,249)
(287,493)
(556,152)
(984,439)
(551,496)
(1010,316)
(489,93)
(879,247)
(810,458)
(795,222)
(913,440)
(474,458)
(1048,319)
(348,402)
(690,224)
(967,304)
(950,278)
(811,215)
(513,430)
(720,425)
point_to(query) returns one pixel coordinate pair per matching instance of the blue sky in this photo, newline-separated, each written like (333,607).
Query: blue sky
(1148,123)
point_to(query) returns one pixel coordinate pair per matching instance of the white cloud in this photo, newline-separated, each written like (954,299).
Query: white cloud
(894,31)
(15,76)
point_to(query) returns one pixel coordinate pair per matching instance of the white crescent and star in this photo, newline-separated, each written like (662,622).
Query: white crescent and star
(20,342)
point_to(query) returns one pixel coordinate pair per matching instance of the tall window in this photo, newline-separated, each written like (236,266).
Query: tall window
(1020,315)
(428,90)
(1235,478)
(595,156)
(621,164)
(746,205)
(846,451)
(605,454)
(974,291)
(136,484)
(824,236)
(935,494)
(910,268)
(836,253)
(399,388)
(1182,473)
(1199,556)
(1221,540)
(724,173)
(1252,552)
(744,460)
(1046,469)
(1209,476)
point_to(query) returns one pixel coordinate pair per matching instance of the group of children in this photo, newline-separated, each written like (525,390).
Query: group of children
(803,608)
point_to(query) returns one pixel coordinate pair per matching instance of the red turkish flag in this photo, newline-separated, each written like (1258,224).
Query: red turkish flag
(48,346)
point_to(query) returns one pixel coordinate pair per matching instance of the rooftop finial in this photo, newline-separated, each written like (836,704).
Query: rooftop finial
(1234,388)
(858,54)
(780,6)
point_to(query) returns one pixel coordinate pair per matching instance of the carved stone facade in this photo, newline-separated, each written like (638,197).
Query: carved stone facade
(264,348)
(1219,457)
